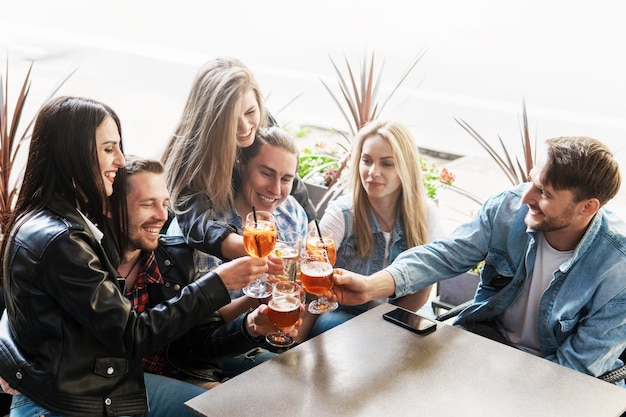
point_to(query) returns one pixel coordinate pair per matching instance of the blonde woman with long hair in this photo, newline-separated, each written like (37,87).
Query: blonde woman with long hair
(386,212)
(223,112)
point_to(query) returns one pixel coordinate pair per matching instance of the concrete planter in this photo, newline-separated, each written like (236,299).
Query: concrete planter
(316,194)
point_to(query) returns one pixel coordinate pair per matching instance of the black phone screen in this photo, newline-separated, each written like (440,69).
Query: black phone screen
(410,320)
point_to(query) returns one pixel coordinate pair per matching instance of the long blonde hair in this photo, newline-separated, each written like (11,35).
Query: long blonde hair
(200,156)
(412,208)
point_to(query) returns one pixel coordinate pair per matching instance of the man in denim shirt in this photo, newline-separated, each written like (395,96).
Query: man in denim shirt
(555,259)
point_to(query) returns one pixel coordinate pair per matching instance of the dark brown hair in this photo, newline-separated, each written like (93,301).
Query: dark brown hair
(583,165)
(63,160)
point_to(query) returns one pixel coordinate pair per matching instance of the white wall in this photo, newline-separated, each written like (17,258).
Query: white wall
(567,59)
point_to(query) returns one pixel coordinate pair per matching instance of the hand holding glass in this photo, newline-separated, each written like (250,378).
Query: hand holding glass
(284,311)
(259,239)
(316,273)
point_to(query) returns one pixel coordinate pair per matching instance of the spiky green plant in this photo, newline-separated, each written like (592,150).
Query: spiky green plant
(11,140)
(515,172)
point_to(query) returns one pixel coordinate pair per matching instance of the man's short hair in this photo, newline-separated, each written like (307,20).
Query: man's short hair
(136,164)
(584,165)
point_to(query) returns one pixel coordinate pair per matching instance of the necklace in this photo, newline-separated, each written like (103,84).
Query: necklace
(386,227)
(132,267)
(385,223)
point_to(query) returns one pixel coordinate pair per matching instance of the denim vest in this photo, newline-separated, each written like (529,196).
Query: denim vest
(582,314)
(346,252)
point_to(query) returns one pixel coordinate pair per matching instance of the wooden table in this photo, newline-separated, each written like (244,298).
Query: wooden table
(370,367)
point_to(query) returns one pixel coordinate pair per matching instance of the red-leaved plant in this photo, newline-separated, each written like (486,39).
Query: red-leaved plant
(11,140)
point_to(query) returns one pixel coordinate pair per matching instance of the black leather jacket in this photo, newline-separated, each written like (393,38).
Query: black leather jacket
(211,340)
(68,339)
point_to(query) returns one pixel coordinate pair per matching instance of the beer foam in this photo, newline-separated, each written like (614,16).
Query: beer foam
(316,269)
(284,303)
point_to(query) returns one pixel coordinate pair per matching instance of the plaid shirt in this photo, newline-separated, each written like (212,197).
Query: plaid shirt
(155,363)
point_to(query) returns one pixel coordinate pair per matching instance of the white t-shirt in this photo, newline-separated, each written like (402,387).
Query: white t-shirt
(94,229)
(519,322)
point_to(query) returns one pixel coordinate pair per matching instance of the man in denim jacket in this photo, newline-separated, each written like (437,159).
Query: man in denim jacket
(554,279)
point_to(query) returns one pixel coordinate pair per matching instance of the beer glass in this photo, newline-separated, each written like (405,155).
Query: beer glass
(316,274)
(288,250)
(259,239)
(284,311)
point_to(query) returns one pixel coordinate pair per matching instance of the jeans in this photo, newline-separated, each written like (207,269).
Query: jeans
(165,397)
(232,367)
(488,329)
(329,320)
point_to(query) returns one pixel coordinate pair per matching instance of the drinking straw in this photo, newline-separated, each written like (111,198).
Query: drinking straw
(256,237)
(319,232)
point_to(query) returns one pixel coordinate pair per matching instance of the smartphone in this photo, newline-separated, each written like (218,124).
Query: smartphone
(409,320)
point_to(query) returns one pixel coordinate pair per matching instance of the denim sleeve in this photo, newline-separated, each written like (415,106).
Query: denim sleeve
(199,228)
(468,244)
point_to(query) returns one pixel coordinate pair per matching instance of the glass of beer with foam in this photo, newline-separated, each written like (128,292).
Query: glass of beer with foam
(316,273)
(284,311)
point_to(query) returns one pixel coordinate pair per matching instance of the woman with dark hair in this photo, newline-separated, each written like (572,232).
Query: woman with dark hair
(69,340)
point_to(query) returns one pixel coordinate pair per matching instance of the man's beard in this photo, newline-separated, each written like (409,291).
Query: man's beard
(140,242)
(552,224)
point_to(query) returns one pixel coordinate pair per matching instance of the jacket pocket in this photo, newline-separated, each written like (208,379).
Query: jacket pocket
(566,326)
(110,367)
(498,271)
